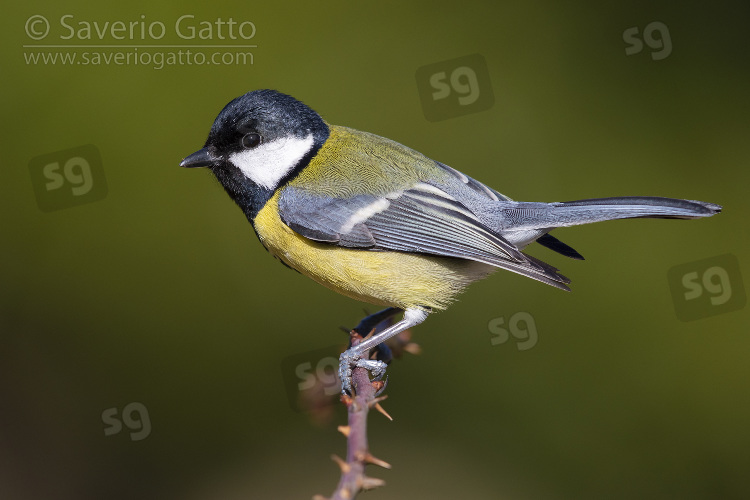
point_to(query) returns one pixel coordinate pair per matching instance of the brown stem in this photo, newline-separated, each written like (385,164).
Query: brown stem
(353,478)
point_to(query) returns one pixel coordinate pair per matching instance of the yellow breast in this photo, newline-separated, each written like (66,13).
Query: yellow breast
(393,279)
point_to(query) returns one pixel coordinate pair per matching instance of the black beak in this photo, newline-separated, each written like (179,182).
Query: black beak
(201,158)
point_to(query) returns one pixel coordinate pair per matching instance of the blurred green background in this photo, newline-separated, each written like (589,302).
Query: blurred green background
(160,294)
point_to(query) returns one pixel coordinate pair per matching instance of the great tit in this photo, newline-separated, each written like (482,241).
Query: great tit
(381,223)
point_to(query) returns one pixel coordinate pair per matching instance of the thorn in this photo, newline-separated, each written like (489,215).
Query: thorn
(320,497)
(372,332)
(381,410)
(413,348)
(345,430)
(378,385)
(347,400)
(377,400)
(370,459)
(369,483)
(345,467)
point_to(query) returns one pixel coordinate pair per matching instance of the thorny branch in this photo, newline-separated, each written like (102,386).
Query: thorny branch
(353,479)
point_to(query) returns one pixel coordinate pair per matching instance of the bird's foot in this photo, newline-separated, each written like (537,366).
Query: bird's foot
(351,359)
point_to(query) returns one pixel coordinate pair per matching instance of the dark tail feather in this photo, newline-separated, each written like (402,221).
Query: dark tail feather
(549,241)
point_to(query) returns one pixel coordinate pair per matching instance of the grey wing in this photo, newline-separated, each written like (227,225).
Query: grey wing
(423,219)
(485,192)
(474,184)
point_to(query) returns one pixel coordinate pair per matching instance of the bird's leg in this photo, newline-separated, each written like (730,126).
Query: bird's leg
(352,357)
(370,324)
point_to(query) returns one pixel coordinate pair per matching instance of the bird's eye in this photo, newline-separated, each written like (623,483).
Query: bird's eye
(251,140)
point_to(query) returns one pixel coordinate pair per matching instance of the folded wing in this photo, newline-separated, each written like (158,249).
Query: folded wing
(422,219)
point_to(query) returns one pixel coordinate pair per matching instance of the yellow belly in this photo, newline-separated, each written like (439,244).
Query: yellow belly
(395,279)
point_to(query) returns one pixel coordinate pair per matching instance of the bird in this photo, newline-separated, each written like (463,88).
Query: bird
(381,223)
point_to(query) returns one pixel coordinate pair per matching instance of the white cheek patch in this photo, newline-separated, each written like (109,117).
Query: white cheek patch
(267,164)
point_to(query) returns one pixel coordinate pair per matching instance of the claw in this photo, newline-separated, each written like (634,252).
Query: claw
(385,384)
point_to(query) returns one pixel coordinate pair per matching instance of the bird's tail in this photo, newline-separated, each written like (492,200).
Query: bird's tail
(530,216)
(525,222)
